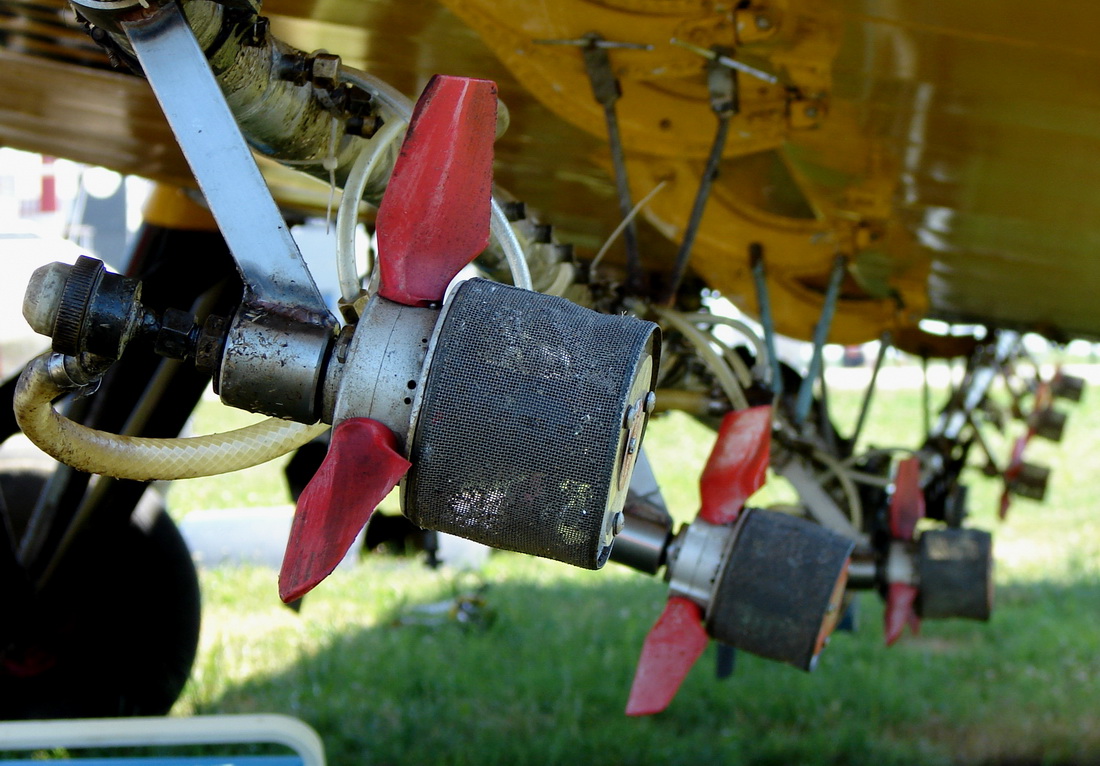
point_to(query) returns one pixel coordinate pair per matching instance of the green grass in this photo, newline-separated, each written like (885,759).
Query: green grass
(546,679)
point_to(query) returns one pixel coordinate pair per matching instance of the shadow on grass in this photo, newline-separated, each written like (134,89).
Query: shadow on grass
(547,682)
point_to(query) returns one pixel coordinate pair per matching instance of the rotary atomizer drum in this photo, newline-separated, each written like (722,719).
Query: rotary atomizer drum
(528,423)
(514,417)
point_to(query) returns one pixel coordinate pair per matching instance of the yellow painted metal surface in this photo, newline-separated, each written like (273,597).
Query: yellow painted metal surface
(173,208)
(801,176)
(951,151)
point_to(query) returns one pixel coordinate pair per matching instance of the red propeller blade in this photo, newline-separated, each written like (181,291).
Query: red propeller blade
(673,645)
(900,611)
(907,504)
(434,217)
(737,465)
(361,467)
(735,469)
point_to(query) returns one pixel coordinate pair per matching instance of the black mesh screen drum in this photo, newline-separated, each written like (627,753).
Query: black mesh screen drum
(779,588)
(956,574)
(521,439)
(1030,481)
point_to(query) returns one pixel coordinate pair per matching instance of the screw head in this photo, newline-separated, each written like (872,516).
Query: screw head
(618,523)
(325,71)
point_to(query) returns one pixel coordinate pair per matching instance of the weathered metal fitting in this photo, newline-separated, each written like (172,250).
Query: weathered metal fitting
(358,101)
(382,366)
(84,307)
(42,296)
(71,372)
(643,541)
(64,371)
(293,66)
(177,336)
(55,368)
(341,348)
(324,71)
(618,523)
(862,572)
(74,303)
(274,364)
(211,344)
(634,422)
(364,126)
(696,560)
(358,106)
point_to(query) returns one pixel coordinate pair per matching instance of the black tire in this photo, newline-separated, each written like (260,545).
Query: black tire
(120,639)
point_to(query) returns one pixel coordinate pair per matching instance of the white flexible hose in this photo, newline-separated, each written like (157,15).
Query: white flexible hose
(347,216)
(833,467)
(718,365)
(501,228)
(564,278)
(744,374)
(736,363)
(140,458)
(761,364)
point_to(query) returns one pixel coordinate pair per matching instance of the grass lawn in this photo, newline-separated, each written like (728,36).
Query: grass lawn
(544,678)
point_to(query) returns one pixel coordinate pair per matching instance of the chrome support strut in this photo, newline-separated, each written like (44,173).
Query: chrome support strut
(207,132)
(278,342)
